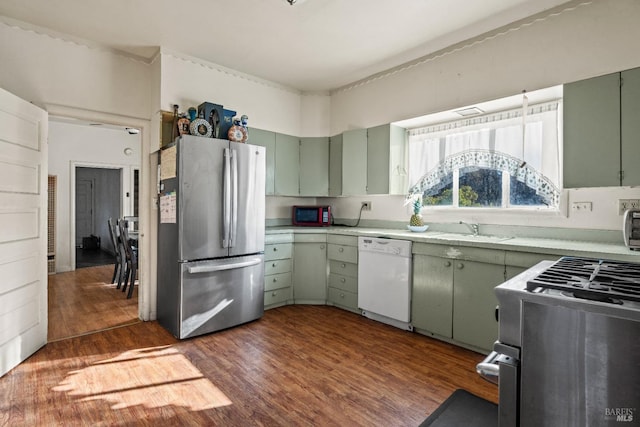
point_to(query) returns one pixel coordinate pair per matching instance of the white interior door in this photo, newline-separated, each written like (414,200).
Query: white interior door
(23,230)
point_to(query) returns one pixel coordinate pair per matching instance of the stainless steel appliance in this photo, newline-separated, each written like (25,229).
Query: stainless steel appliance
(311,216)
(210,235)
(631,229)
(568,352)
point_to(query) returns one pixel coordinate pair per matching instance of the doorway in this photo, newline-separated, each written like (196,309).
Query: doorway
(98,197)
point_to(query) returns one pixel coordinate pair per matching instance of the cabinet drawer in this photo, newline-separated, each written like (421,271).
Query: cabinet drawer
(275,281)
(277,251)
(343,298)
(344,283)
(344,268)
(277,296)
(342,240)
(343,253)
(277,266)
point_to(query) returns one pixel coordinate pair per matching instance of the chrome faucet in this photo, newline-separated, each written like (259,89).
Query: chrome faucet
(475,228)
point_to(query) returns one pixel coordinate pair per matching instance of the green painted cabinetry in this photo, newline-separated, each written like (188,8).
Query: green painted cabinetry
(335,166)
(601,130)
(310,269)
(386,160)
(278,265)
(314,166)
(354,162)
(266,139)
(343,272)
(287,165)
(453,294)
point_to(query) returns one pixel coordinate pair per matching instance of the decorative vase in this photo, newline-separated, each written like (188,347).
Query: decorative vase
(237,132)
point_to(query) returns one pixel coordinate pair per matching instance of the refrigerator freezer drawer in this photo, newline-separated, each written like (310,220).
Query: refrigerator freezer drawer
(219,294)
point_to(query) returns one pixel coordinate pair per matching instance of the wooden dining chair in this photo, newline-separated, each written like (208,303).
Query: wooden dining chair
(119,266)
(131,257)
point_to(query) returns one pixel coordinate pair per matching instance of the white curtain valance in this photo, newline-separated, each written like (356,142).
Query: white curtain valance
(493,141)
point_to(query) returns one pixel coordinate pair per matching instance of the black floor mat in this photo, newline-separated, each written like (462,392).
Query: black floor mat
(463,409)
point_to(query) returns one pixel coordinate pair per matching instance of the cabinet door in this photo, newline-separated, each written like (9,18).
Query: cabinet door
(630,133)
(335,166)
(475,302)
(314,166)
(432,300)
(310,273)
(266,139)
(378,160)
(287,165)
(354,162)
(592,132)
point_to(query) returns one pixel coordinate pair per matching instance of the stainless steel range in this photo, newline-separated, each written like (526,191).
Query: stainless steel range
(568,352)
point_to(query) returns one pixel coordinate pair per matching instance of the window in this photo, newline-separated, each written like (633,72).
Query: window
(504,160)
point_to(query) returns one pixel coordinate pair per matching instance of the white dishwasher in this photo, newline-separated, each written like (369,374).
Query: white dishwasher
(384,280)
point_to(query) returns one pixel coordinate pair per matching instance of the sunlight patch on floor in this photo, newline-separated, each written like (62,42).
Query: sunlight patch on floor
(152,377)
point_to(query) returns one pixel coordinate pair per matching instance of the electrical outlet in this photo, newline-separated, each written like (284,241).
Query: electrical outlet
(581,206)
(625,204)
(366,206)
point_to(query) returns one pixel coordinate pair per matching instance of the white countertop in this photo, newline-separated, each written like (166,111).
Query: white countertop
(519,244)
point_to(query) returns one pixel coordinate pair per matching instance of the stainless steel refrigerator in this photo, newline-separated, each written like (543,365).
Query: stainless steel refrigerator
(211,219)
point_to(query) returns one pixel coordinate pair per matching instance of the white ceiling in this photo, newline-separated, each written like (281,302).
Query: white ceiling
(314,45)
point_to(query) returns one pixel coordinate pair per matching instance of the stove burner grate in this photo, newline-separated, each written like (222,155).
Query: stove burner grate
(591,278)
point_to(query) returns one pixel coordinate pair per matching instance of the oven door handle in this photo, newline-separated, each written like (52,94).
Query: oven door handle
(489,369)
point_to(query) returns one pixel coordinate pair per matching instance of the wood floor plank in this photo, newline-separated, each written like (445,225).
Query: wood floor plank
(83,301)
(298,365)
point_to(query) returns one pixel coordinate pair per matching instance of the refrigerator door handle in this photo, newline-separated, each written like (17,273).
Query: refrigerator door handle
(226,209)
(234,192)
(209,268)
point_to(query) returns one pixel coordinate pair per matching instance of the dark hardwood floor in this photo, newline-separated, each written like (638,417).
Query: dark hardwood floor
(298,365)
(84,301)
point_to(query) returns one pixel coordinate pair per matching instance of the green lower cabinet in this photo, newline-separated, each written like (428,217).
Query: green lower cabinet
(475,302)
(310,269)
(278,290)
(432,300)
(453,298)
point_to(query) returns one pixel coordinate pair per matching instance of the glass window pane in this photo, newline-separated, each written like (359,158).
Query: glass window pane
(440,194)
(480,187)
(521,195)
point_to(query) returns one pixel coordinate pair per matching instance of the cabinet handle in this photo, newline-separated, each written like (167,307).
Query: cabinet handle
(275,279)
(447,263)
(273,294)
(342,279)
(273,265)
(340,249)
(275,249)
(343,265)
(341,295)
(322,247)
(460,266)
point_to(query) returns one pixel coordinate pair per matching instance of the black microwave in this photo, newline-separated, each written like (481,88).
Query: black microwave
(311,216)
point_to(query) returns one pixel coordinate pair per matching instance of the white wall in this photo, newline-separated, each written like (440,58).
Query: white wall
(73,144)
(589,40)
(46,70)
(189,82)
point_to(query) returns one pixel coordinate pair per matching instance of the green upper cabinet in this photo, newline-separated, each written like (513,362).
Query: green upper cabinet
(601,131)
(386,160)
(354,162)
(266,139)
(335,166)
(287,165)
(630,119)
(314,166)
(592,132)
